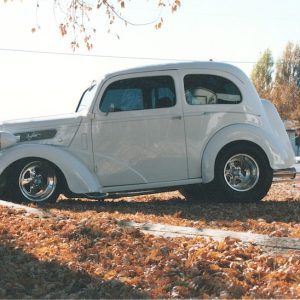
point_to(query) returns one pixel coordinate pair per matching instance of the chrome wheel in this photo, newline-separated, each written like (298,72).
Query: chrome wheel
(241,172)
(37,181)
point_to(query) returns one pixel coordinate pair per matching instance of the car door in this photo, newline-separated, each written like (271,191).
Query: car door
(211,101)
(138,130)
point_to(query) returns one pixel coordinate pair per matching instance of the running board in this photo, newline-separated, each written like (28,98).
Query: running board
(103,196)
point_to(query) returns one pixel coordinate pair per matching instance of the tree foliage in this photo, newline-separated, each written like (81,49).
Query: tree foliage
(77,16)
(261,74)
(283,89)
(288,66)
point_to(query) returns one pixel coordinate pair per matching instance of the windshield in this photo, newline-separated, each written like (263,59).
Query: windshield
(86,98)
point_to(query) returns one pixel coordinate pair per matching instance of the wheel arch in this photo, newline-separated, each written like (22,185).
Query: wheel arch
(245,143)
(61,177)
(248,135)
(78,178)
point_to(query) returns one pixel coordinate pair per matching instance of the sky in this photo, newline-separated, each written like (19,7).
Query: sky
(50,79)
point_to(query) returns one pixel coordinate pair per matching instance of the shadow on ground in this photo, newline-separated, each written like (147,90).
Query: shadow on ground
(24,276)
(271,210)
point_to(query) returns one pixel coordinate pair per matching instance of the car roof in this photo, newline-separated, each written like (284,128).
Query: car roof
(218,66)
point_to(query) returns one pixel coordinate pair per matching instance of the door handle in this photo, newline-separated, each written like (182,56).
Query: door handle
(177,118)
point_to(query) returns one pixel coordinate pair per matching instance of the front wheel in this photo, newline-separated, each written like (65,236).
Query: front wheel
(243,173)
(35,180)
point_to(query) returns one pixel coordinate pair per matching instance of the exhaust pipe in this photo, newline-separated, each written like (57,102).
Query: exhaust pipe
(284,175)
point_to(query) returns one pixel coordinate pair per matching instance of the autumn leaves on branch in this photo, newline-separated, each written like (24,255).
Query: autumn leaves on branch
(280,84)
(75,17)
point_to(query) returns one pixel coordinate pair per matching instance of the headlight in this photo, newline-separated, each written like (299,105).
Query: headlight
(7,139)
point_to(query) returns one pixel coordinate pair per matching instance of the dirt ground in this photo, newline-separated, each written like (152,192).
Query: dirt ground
(278,214)
(82,252)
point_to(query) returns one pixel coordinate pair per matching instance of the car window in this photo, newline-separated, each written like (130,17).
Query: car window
(139,94)
(203,89)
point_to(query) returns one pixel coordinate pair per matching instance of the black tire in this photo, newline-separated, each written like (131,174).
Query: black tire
(191,193)
(3,184)
(34,180)
(243,173)
(197,193)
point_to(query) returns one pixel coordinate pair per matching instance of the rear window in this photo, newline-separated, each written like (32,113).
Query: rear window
(201,89)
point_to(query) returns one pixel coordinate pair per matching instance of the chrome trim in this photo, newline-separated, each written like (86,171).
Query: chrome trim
(36,135)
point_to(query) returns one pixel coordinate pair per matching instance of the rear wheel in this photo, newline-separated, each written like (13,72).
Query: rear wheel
(34,180)
(243,173)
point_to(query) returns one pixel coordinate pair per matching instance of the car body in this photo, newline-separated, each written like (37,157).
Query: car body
(151,128)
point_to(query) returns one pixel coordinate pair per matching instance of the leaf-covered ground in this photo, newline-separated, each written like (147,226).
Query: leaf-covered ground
(81,252)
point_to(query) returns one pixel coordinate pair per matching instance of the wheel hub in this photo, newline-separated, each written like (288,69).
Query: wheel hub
(37,181)
(241,172)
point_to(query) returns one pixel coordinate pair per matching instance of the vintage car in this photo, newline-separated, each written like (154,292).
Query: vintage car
(176,126)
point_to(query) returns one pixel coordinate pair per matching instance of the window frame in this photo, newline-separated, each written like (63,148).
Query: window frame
(119,78)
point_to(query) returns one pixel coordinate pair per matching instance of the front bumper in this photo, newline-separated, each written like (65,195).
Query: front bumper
(289,174)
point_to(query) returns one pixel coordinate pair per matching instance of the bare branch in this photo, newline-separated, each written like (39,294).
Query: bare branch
(76,17)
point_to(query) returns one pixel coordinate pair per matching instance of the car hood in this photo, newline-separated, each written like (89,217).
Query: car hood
(54,130)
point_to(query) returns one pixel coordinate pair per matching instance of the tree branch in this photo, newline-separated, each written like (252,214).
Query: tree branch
(76,18)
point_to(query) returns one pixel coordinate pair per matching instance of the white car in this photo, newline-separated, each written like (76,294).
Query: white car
(165,127)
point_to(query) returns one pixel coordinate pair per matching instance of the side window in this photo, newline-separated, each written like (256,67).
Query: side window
(139,94)
(210,89)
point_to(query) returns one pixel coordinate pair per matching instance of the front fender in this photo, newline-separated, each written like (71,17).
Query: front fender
(279,155)
(79,178)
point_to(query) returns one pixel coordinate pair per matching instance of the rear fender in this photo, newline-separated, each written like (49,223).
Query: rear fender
(79,178)
(278,155)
